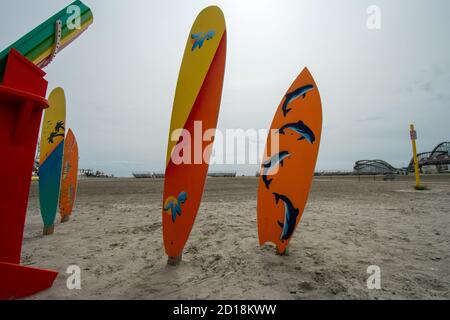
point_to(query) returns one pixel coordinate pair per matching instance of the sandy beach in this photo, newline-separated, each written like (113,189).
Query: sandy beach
(115,237)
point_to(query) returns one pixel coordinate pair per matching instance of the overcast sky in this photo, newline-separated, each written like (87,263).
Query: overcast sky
(120,76)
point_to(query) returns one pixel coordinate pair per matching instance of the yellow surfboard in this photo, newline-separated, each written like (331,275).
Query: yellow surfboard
(52,133)
(51,156)
(197,101)
(197,60)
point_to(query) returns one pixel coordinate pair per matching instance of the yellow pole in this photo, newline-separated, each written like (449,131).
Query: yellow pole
(414,148)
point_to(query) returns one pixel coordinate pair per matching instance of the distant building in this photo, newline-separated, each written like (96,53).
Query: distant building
(373,167)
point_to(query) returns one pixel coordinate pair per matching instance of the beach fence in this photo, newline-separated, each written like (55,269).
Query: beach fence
(222,174)
(148,175)
(143,175)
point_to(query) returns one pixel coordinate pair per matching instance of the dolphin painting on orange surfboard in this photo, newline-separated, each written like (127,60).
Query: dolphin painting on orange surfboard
(288,170)
(195,108)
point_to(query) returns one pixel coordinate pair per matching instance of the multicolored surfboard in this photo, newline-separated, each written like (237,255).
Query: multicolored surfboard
(51,156)
(69,177)
(290,159)
(196,105)
(38,45)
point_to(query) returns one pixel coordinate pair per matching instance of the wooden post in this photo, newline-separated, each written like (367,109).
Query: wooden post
(174,261)
(284,253)
(48,230)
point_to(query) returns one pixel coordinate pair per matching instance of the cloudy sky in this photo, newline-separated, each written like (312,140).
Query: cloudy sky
(120,76)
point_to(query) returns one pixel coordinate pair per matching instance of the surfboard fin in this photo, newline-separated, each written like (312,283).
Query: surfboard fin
(267,182)
(277,197)
(267,165)
(287,111)
(281,224)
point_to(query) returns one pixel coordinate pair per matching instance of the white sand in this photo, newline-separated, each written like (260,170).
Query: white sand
(115,237)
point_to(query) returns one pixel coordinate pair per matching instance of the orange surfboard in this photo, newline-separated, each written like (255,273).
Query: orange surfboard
(69,177)
(290,159)
(195,110)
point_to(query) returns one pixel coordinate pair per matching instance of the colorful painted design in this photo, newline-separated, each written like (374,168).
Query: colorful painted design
(297,93)
(51,157)
(199,38)
(57,132)
(290,184)
(173,205)
(69,176)
(272,164)
(301,128)
(53,130)
(197,98)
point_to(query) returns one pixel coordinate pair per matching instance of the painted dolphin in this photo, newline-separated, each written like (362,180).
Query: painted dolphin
(270,164)
(290,216)
(300,92)
(301,128)
(174,204)
(200,38)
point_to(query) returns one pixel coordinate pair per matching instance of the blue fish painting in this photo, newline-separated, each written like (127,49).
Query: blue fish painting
(174,205)
(300,128)
(199,38)
(290,217)
(291,96)
(271,164)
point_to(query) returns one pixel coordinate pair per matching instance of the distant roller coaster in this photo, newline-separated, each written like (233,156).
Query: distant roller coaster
(437,161)
(373,167)
(439,158)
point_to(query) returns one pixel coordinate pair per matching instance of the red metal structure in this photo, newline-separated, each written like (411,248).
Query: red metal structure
(22,100)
